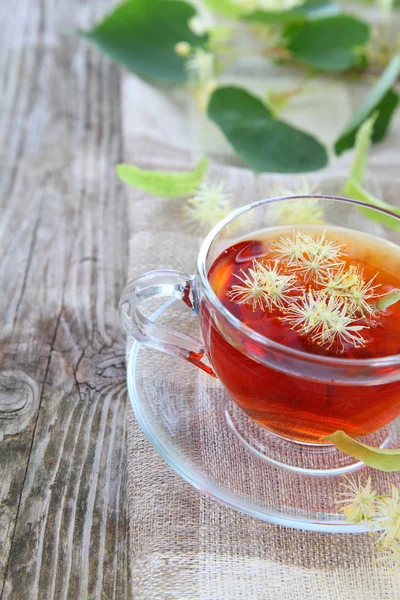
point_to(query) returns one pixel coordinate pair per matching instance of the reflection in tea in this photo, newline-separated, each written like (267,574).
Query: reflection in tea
(320,291)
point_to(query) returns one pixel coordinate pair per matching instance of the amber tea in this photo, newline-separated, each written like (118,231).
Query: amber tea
(323,291)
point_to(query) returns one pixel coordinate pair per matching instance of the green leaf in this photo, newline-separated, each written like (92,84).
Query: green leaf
(378,458)
(353,186)
(298,14)
(381,99)
(387,300)
(352,189)
(330,44)
(363,143)
(142,34)
(225,8)
(159,183)
(262,141)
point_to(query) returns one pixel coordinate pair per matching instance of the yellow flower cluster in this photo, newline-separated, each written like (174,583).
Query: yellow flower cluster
(264,286)
(338,298)
(361,503)
(207,207)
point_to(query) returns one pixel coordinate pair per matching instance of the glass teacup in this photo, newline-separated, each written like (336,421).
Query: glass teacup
(297,395)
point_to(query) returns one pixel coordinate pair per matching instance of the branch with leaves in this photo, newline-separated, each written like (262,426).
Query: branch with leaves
(170,42)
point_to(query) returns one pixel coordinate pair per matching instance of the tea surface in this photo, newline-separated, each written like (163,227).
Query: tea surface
(375,263)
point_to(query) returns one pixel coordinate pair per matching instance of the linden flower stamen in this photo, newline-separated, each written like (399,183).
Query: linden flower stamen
(304,315)
(327,320)
(318,257)
(359,500)
(340,327)
(310,257)
(389,516)
(329,249)
(251,291)
(278,286)
(337,282)
(349,282)
(290,249)
(313,267)
(263,286)
(361,503)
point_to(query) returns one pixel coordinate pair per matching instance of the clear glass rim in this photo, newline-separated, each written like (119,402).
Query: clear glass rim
(251,333)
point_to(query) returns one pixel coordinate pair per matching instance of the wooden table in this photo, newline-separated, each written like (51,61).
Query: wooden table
(63,521)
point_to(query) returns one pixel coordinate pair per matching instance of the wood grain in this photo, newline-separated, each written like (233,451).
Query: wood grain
(63,241)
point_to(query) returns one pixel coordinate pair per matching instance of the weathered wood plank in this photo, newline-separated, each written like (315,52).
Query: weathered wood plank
(63,241)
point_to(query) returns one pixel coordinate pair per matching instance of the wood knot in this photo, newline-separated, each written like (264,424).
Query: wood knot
(18,401)
(105,368)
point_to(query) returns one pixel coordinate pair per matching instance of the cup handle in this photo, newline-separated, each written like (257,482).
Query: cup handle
(162,283)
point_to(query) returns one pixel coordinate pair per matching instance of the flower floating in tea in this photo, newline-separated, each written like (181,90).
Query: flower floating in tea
(305,314)
(308,256)
(319,294)
(325,320)
(340,326)
(263,286)
(349,283)
(252,289)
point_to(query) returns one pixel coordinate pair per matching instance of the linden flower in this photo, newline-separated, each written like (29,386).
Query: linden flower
(310,257)
(349,283)
(293,212)
(340,281)
(359,500)
(329,320)
(278,286)
(304,315)
(359,295)
(263,286)
(340,327)
(290,249)
(252,290)
(312,266)
(327,249)
(389,516)
(200,66)
(211,203)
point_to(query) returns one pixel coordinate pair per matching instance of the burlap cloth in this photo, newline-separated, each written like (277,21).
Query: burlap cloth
(183,544)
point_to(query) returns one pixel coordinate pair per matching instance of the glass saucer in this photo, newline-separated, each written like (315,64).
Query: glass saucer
(195,427)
